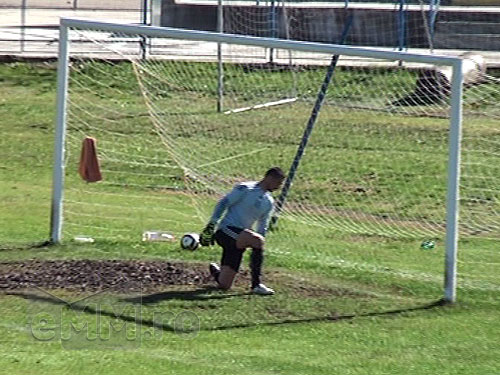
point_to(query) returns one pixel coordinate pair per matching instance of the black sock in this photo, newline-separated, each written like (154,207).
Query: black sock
(256,260)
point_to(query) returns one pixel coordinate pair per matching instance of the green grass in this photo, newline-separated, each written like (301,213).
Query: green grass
(372,313)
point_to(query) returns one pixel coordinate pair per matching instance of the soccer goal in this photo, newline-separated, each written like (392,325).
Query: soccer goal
(371,149)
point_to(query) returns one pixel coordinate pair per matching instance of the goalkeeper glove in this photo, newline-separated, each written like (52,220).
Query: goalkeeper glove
(207,236)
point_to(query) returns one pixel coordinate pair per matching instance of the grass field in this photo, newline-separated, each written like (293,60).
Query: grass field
(346,303)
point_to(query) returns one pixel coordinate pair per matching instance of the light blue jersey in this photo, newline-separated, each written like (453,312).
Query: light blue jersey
(245,205)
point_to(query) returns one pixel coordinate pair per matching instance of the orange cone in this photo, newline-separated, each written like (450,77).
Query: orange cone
(89,168)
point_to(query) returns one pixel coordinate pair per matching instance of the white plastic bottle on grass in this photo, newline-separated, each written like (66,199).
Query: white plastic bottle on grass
(157,236)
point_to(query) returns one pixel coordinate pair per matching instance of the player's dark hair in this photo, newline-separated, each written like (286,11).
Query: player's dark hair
(275,172)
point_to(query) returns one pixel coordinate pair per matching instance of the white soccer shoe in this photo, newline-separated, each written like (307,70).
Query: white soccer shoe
(262,290)
(214,270)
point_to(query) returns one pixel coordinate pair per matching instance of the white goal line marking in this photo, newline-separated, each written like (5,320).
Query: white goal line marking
(257,106)
(233,157)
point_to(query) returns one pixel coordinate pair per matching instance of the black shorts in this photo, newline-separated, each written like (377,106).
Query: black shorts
(231,256)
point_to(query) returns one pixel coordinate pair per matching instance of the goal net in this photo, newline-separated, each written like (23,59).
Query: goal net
(376,162)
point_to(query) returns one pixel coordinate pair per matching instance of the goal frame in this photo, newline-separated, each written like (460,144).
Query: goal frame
(454,137)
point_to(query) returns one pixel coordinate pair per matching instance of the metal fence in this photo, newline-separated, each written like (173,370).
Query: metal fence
(74,4)
(31,26)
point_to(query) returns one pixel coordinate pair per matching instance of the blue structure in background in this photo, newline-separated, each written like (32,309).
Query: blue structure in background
(401,26)
(402,20)
(433,11)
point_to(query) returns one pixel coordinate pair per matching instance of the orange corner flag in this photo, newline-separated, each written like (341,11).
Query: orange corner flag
(89,168)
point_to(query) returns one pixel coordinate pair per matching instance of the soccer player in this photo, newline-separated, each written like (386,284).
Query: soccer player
(248,203)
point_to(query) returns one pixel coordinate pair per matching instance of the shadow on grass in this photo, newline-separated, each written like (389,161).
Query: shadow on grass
(26,246)
(76,306)
(334,317)
(198,294)
(201,294)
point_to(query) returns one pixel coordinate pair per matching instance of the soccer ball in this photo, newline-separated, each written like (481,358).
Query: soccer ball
(190,241)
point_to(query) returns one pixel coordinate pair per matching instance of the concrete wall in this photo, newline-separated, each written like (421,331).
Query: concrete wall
(455,29)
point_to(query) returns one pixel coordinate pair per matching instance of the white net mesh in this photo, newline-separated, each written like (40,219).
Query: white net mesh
(376,162)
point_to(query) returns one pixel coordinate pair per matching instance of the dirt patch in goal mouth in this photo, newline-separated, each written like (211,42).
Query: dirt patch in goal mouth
(95,275)
(139,275)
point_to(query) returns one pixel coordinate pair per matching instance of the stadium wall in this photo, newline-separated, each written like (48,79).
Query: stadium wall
(464,29)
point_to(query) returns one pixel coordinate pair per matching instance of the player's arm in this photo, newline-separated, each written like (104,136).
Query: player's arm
(263,222)
(207,235)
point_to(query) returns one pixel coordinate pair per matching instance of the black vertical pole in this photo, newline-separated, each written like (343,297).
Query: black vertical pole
(401,28)
(310,125)
(273,28)
(144,21)
(220,63)
(23,24)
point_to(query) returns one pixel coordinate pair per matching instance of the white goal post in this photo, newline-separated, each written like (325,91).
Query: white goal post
(454,137)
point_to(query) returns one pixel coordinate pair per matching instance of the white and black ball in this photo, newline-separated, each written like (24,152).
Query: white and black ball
(190,241)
